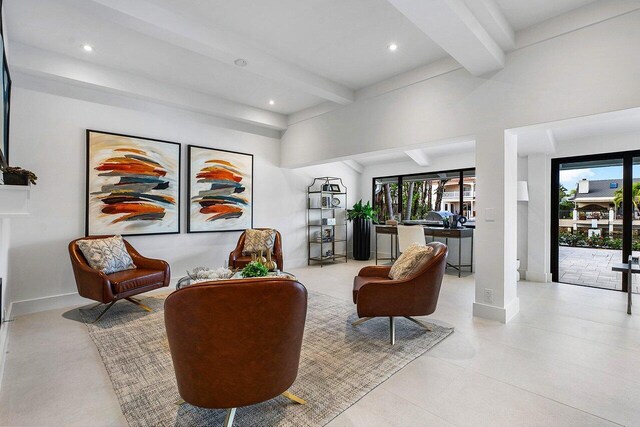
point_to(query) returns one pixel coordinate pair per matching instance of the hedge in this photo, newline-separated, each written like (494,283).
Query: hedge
(582,241)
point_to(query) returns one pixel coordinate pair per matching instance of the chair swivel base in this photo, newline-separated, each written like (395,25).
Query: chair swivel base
(392,325)
(130,299)
(231,412)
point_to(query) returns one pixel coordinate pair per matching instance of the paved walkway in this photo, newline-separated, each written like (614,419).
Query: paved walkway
(592,267)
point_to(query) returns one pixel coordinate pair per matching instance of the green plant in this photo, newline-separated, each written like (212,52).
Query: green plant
(254,269)
(635,195)
(361,211)
(19,171)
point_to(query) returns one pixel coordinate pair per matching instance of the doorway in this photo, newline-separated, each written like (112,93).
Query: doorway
(593,226)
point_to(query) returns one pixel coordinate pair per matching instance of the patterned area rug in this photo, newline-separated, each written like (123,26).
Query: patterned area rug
(339,365)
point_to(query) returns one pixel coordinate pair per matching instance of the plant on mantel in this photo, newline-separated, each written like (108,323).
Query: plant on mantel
(18,176)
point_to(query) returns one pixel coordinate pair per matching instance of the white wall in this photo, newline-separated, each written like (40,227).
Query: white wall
(48,137)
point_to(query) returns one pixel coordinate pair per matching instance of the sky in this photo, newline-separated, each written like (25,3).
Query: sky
(569,178)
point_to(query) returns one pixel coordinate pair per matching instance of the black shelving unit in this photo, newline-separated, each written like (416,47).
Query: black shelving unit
(327,210)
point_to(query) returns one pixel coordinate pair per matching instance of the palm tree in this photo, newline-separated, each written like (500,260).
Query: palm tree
(635,195)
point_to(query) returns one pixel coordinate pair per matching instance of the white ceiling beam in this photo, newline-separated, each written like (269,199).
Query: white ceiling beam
(210,41)
(418,156)
(493,20)
(453,26)
(38,62)
(354,165)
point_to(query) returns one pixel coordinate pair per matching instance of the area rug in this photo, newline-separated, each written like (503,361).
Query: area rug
(339,365)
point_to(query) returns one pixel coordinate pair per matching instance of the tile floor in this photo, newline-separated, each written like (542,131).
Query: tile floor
(592,267)
(570,358)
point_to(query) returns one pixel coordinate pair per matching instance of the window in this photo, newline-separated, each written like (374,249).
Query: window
(385,198)
(411,197)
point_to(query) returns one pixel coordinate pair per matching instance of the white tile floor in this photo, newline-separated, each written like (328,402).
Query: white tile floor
(571,357)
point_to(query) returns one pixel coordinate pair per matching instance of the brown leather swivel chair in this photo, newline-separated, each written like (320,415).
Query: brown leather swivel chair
(236,342)
(238,260)
(375,295)
(109,288)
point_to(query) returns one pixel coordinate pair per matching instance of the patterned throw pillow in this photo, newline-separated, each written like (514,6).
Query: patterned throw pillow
(258,240)
(409,261)
(107,255)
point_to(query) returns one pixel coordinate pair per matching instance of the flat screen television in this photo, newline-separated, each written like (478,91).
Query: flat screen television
(6,97)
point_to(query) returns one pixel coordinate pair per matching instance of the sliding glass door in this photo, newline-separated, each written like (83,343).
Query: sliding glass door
(593,225)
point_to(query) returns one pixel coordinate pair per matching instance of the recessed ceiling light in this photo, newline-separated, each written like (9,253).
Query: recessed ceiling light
(87,48)
(393,47)
(272,102)
(240,62)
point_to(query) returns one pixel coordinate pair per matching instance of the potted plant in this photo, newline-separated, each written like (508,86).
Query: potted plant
(361,215)
(254,269)
(18,176)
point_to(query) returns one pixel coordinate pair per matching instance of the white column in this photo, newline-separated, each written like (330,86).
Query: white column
(496,227)
(538,221)
(612,217)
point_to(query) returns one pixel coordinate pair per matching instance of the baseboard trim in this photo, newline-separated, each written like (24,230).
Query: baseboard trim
(35,305)
(537,276)
(499,314)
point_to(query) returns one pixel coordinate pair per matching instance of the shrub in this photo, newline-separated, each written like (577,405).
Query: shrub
(581,240)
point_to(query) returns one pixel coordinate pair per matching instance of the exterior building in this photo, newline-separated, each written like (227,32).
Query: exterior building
(451,197)
(595,210)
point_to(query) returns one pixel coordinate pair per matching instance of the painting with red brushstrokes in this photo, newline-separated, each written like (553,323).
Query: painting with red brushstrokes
(220,190)
(133,185)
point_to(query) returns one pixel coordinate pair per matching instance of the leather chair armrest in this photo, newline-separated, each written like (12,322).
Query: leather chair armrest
(385,298)
(234,255)
(93,284)
(375,271)
(150,263)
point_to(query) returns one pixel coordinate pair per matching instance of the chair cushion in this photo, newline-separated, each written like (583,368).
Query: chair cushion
(258,240)
(360,281)
(409,261)
(124,281)
(108,255)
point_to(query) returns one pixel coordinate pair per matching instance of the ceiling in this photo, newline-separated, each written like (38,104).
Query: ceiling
(423,155)
(543,138)
(522,14)
(299,53)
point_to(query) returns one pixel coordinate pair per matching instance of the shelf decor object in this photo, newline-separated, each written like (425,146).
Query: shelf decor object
(220,190)
(327,220)
(133,185)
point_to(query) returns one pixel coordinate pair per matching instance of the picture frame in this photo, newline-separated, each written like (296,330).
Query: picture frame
(132,185)
(334,188)
(219,190)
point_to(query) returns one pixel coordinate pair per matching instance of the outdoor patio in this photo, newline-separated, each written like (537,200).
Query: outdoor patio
(592,267)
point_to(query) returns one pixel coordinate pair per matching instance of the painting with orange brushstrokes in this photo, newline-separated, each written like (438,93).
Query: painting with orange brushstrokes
(220,190)
(133,185)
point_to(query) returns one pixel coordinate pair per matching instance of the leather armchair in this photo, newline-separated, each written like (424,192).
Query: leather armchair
(375,295)
(236,342)
(237,260)
(109,288)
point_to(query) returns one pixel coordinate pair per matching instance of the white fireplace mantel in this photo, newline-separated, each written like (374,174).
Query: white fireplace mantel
(14,200)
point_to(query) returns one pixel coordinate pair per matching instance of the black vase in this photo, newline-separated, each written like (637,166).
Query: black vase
(361,239)
(15,179)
